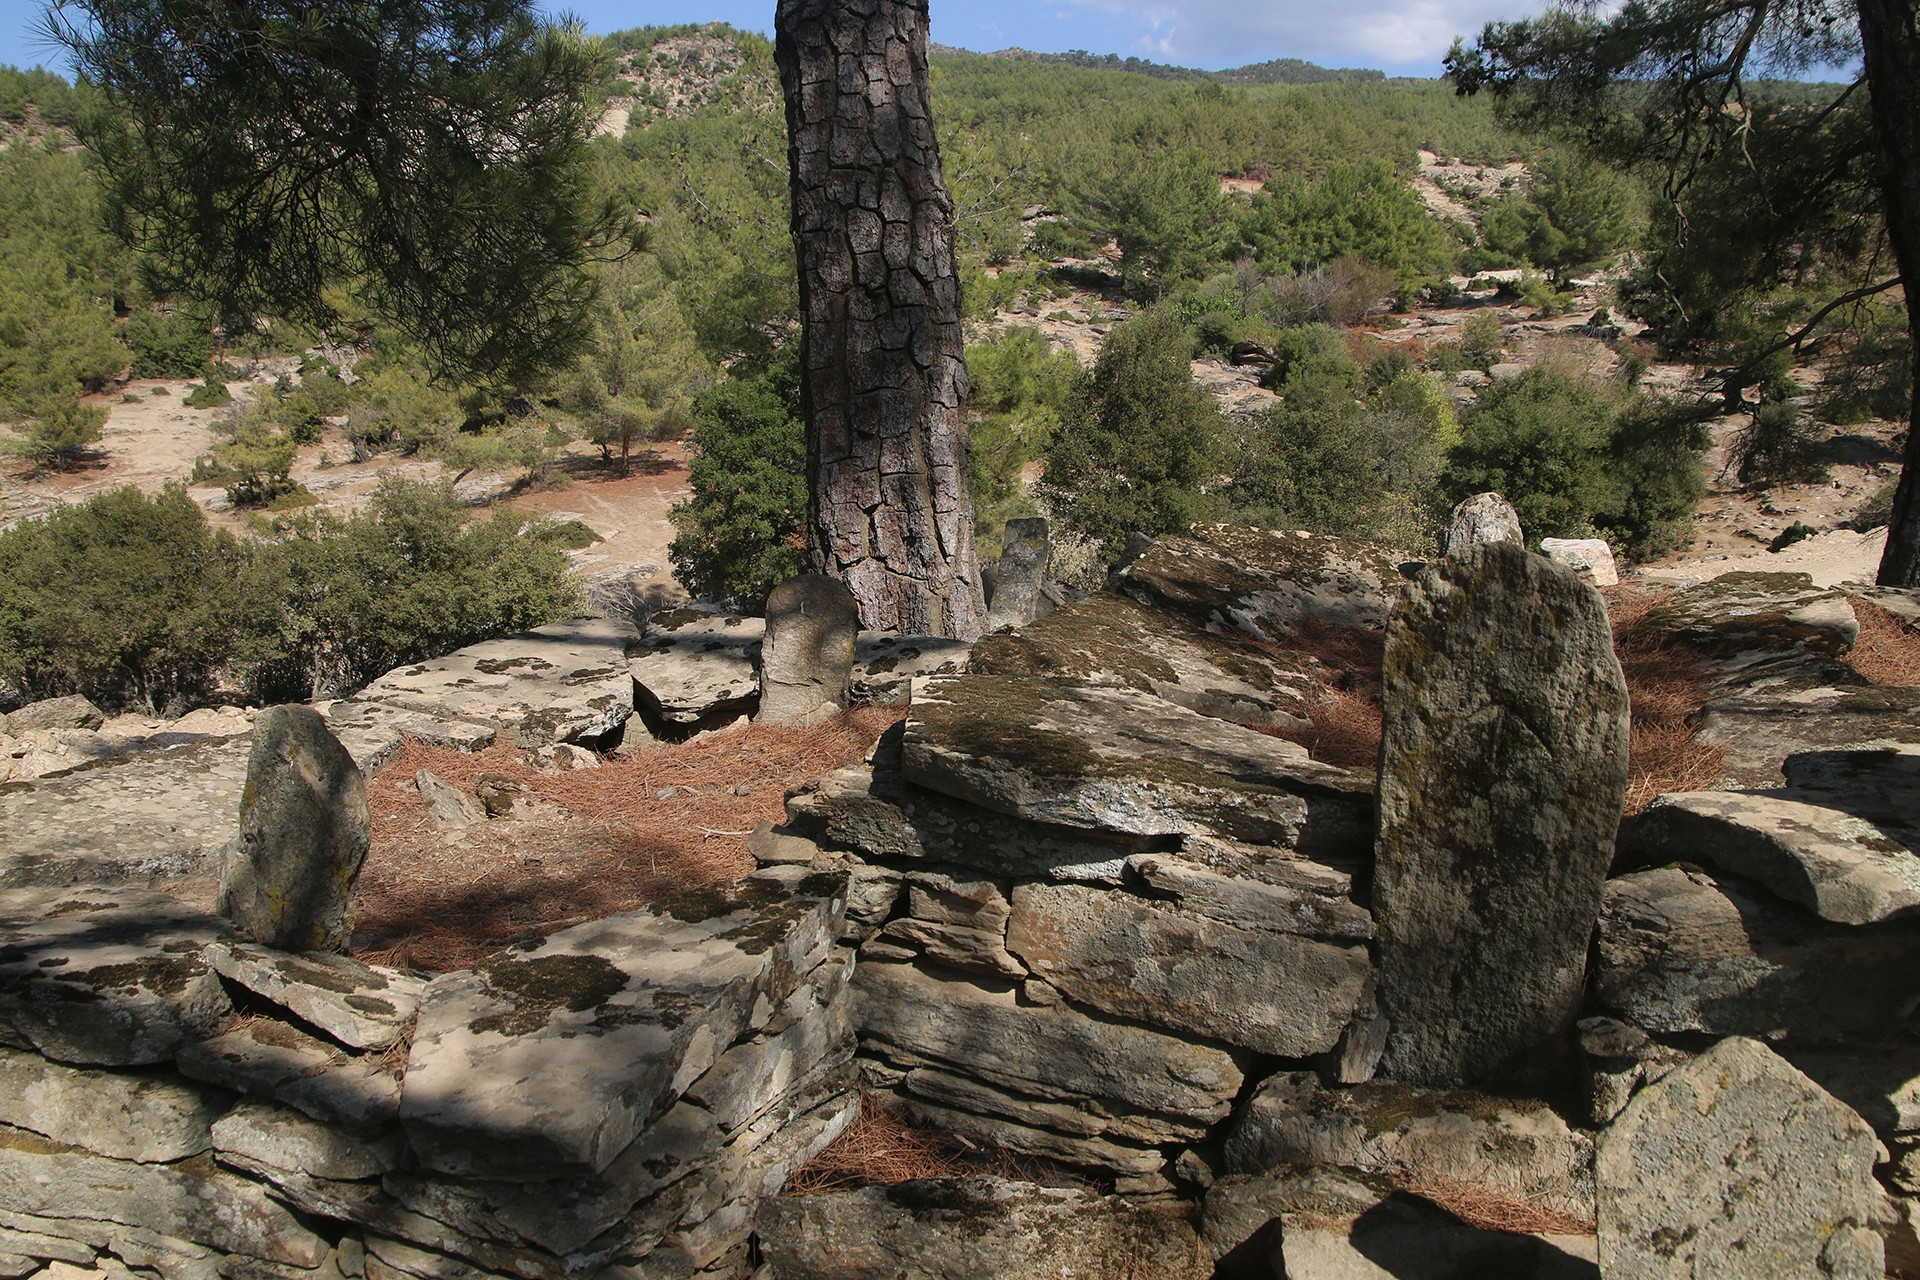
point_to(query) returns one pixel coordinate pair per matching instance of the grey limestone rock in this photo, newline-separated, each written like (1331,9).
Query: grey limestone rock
(1077,754)
(287,1139)
(1019,585)
(551,1057)
(1773,632)
(696,667)
(450,807)
(1591,558)
(1503,771)
(1684,951)
(886,663)
(304,831)
(1265,583)
(1758,732)
(1113,639)
(806,664)
(268,1059)
(960,1229)
(1848,857)
(71,712)
(142,1118)
(1286,894)
(1057,1053)
(362,1006)
(1737,1164)
(1485,517)
(1254,988)
(565,682)
(107,977)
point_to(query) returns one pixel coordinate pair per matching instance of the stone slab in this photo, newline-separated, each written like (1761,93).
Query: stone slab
(696,666)
(1076,754)
(361,1005)
(108,977)
(1257,989)
(144,1118)
(559,683)
(288,1139)
(552,1056)
(1757,732)
(1761,631)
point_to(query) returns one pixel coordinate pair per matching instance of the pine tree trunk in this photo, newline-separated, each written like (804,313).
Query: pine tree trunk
(888,509)
(1890,34)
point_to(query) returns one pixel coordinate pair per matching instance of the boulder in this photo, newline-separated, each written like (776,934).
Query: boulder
(1259,989)
(1020,585)
(148,1119)
(1591,558)
(1757,732)
(551,1057)
(1804,846)
(911,1015)
(1503,772)
(71,712)
(450,808)
(565,682)
(1079,754)
(962,1228)
(304,831)
(886,663)
(806,664)
(1485,517)
(1520,1151)
(1265,583)
(362,1006)
(1737,1164)
(1110,639)
(111,978)
(696,668)
(1773,632)
(1685,951)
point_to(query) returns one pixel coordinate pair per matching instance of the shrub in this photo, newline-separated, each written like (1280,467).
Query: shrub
(167,344)
(742,531)
(61,431)
(1778,446)
(1138,441)
(210,394)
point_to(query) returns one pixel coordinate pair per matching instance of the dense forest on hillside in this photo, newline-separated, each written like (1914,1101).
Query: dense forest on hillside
(1267,212)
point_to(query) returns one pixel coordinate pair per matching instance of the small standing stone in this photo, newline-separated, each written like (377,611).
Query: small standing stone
(304,831)
(1736,1164)
(1485,517)
(1591,558)
(1502,773)
(1019,592)
(806,663)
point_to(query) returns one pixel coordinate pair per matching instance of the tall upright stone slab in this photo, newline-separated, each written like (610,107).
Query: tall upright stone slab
(1503,768)
(304,831)
(1736,1164)
(806,661)
(1019,583)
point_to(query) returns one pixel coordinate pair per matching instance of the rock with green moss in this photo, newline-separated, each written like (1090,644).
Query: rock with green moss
(1737,1164)
(1020,583)
(552,1057)
(1761,631)
(1257,988)
(1503,771)
(362,1006)
(113,977)
(1075,753)
(1266,583)
(961,1228)
(1115,640)
(304,831)
(696,667)
(1756,732)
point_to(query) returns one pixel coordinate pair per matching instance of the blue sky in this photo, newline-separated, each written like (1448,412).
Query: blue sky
(1401,37)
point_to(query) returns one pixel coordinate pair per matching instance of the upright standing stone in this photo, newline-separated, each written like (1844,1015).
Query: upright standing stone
(1503,768)
(1485,517)
(304,830)
(806,661)
(1020,583)
(1736,1164)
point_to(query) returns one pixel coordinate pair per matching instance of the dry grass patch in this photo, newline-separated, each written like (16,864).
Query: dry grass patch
(1666,687)
(1492,1209)
(642,827)
(882,1147)
(1346,723)
(1887,651)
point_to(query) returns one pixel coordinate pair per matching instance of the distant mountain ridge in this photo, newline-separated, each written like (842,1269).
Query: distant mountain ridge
(1273,71)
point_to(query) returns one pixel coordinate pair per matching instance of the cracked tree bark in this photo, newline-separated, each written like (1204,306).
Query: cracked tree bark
(1890,39)
(889,512)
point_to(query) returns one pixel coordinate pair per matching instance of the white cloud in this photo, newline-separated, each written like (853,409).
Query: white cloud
(1378,33)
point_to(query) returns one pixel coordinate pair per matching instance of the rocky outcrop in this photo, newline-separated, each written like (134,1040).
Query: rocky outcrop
(304,831)
(1761,632)
(1737,1164)
(1502,774)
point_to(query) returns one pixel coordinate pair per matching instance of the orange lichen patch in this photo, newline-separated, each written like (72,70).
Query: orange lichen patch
(1494,1209)
(1666,687)
(1887,651)
(643,826)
